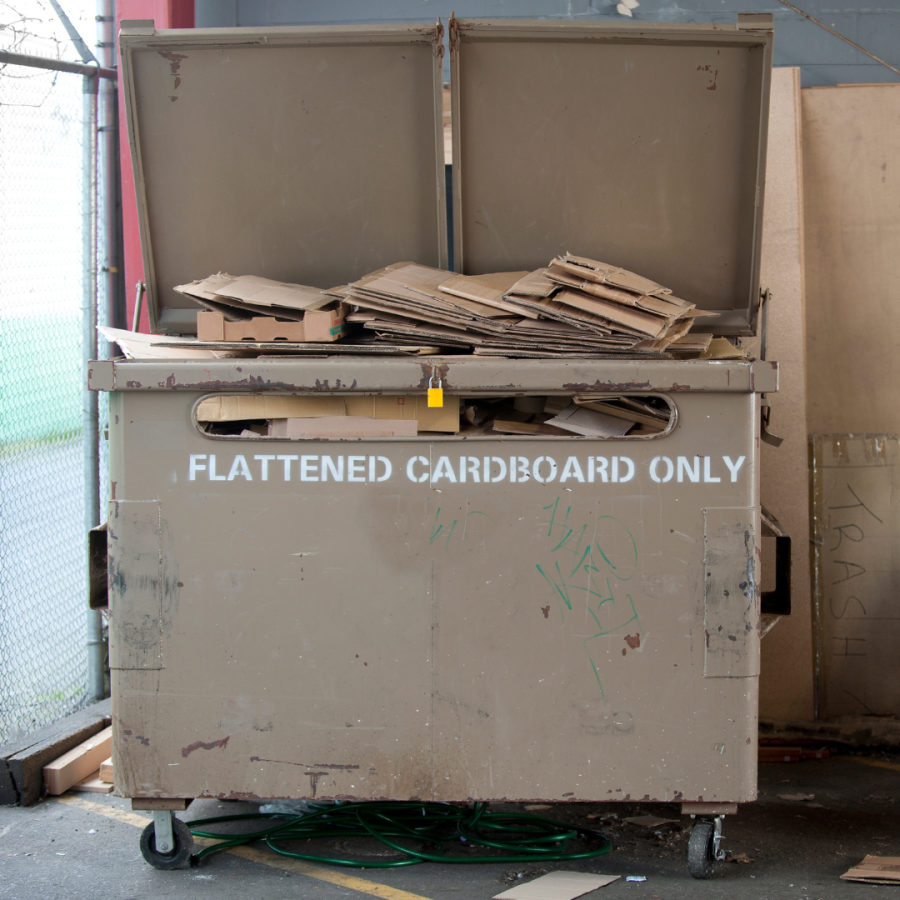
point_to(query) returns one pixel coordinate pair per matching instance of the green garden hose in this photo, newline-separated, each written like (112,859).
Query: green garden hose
(416,831)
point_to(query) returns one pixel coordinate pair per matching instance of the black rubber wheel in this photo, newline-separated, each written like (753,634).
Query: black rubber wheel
(183,843)
(701,858)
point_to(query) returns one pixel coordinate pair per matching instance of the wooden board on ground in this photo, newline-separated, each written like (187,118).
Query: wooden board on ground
(22,760)
(106,771)
(93,784)
(78,763)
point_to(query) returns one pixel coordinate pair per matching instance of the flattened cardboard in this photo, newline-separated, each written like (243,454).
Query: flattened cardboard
(629,317)
(535,284)
(136,345)
(407,407)
(588,422)
(237,408)
(265,292)
(875,870)
(478,289)
(342,427)
(557,886)
(603,273)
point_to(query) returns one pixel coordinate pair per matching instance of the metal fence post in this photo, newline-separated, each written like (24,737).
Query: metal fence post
(90,417)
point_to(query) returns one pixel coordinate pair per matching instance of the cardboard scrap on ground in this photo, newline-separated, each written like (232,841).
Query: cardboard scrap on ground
(557,886)
(797,797)
(875,870)
(649,821)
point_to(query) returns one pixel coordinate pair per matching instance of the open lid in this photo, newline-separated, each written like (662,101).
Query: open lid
(639,145)
(311,155)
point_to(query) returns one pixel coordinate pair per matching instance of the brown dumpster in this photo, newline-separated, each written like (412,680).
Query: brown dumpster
(443,617)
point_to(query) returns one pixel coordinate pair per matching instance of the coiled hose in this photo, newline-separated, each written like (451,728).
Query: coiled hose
(416,831)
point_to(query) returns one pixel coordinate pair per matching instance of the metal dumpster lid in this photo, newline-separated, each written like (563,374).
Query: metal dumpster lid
(310,155)
(639,144)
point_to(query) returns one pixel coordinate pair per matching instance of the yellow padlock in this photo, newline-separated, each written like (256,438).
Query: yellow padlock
(435,394)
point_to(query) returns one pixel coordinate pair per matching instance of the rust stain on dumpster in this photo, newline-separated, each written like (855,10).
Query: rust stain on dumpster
(204,745)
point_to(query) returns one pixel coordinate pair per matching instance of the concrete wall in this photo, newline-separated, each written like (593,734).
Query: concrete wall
(822,58)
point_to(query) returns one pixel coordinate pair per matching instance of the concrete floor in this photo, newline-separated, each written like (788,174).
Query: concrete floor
(86,845)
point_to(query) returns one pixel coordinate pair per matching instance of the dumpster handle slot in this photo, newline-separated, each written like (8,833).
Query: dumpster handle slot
(432,437)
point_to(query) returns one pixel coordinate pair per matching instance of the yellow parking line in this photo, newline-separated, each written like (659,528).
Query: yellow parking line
(253,854)
(880,763)
(111,812)
(341,879)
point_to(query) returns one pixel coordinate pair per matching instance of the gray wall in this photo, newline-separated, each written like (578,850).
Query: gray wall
(823,58)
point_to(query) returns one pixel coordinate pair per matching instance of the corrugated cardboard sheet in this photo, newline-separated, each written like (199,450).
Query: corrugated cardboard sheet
(786,681)
(851,159)
(856,504)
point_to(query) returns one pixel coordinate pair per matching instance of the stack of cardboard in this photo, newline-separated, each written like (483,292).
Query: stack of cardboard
(576,307)
(598,416)
(633,313)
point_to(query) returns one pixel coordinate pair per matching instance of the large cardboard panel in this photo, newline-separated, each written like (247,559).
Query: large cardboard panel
(857,572)
(786,682)
(851,160)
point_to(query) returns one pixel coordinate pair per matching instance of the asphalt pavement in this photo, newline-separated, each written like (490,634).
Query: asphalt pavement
(86,845)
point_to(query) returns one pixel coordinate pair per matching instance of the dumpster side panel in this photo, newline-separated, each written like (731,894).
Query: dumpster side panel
(445,618)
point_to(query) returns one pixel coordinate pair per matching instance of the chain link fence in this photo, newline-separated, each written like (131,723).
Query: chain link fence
(43,661)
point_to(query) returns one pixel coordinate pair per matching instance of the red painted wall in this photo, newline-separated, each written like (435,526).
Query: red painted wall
(166,14)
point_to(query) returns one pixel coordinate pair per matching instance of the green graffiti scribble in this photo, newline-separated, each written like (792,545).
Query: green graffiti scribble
(560,587)
(475,512)
(437,531)
(572,540)
(596,673)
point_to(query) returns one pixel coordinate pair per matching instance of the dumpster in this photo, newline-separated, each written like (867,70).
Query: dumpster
(441,617)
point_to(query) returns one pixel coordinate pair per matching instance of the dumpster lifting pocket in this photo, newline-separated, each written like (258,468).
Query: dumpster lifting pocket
(731,593)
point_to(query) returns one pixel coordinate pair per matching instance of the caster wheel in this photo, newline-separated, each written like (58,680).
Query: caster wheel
(701,853)
(183,843)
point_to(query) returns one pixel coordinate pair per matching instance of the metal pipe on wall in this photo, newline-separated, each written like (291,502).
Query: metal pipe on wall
(90,414)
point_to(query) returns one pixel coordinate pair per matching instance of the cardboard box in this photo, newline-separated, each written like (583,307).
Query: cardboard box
(342,427)
(408,407)
(317,326)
